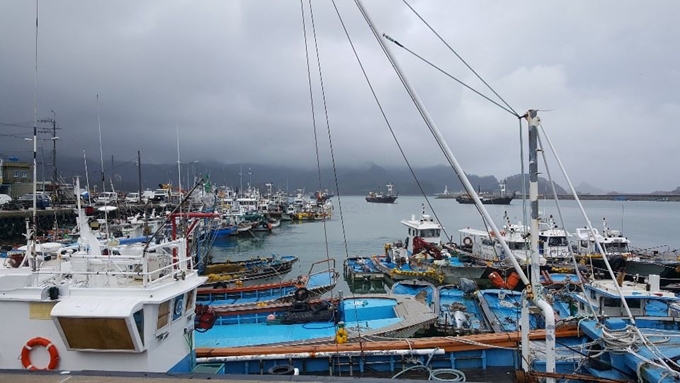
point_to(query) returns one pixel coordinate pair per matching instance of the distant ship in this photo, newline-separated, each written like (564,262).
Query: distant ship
(489,199)
(446,194)
(379,197)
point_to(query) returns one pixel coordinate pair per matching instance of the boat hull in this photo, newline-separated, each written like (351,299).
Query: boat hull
(384,199)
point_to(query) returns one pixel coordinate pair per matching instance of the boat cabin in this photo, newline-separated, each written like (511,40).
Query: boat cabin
(424,227)
(612,241)
(643,299)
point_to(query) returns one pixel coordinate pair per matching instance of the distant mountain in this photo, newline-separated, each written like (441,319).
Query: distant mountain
(675,191)
(586,188)
(351,181)
(514,183)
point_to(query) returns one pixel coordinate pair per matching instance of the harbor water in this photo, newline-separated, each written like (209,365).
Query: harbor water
(364,228)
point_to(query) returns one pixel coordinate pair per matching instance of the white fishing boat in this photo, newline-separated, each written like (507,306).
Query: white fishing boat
(424,256)
(100,307)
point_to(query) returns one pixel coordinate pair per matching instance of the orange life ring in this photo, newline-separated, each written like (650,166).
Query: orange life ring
(39,341)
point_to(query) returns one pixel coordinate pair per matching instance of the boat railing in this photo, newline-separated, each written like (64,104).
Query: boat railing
(159,263)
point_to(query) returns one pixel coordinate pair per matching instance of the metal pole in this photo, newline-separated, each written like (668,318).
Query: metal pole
(139,174)
(54,151)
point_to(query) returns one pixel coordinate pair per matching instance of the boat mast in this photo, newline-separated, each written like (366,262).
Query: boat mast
(536,288)
(539,301)
(139,173)
(34,229)
(101,150)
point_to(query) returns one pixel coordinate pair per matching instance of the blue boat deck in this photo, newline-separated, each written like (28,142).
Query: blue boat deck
(452,300)
(251,329)
(361,268)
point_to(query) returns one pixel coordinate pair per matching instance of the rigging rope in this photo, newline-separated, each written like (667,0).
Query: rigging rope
(316,143)
(462,60)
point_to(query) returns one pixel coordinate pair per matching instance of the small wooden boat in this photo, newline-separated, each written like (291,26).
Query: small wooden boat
(361,268)
(316,283)
(249,272)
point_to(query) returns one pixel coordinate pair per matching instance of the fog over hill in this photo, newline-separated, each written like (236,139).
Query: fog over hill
(359,180)
(351,181)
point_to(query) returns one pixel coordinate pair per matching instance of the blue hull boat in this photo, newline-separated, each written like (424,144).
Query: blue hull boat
(460,313)
(312,322)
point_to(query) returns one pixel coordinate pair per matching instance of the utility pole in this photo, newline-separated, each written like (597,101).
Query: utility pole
(55,181)
(113,189)
(54,139)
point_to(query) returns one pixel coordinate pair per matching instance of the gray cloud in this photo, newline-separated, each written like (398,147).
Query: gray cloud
(232,75)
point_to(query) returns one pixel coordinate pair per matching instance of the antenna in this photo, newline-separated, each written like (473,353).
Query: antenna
(101,151)
(87,180)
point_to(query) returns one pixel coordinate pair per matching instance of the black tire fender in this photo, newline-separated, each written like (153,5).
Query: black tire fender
(281,369)
(301,294)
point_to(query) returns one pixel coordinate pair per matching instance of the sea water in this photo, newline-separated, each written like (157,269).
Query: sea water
(359,228)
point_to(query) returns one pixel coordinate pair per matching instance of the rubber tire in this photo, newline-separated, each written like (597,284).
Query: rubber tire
(281,369)
(301,294)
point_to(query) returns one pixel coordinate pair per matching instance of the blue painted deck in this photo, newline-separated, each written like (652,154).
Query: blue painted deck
(503,310)
(452,299)
(254,328)
(663,334)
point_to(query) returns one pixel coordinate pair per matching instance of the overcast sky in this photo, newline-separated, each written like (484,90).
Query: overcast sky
(232,75)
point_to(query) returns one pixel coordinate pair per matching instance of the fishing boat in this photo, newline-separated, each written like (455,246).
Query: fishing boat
(320,279)
(423,291)
(360,268)
(425,259)
(249,271)
(485,247)
(459,311)
(446,194)
(488,199)
(380,197)
(633,342)
(101,307)
(621,256)
(317,322)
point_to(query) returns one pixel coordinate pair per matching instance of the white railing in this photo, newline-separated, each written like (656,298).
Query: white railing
(154,265)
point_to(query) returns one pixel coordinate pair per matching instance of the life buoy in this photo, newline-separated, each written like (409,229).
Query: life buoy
(467,241)
(301,294)
(39,341)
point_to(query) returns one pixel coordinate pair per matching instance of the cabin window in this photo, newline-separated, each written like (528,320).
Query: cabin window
(436,233)
(97,333)
(163,314)
(616,247)
(633,303)
(138,317)
(611,302)
(584,244)
(558,241)
(517,245)
(592,294)
(581,306)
